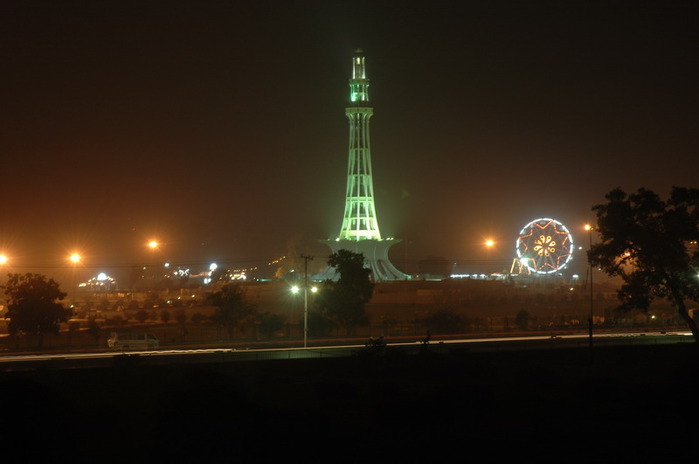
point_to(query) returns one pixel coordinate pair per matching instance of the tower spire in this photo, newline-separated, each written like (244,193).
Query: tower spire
(359,84)
(359,221)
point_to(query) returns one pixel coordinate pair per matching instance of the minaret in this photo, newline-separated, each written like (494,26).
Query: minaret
(360,228)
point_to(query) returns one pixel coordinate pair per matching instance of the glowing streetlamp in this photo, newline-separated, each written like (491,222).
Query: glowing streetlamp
(489,245)
(75,259)
(589,230)
(3,261)
(154,245)
(295,289)
(305,297)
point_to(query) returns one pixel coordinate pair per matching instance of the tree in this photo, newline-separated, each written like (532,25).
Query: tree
(232,308)
(93,328)
(270,324)
(319,324)
(343,301)
(652,245)
(522,320)
(33,305)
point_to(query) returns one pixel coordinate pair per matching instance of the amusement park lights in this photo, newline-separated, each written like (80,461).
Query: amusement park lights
(544,246)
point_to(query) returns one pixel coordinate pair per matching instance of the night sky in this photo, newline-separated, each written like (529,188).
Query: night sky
(218,127)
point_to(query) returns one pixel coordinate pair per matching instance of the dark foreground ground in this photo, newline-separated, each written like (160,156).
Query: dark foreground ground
(622,403)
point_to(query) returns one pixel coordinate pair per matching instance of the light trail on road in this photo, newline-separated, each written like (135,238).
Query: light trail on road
(218,354)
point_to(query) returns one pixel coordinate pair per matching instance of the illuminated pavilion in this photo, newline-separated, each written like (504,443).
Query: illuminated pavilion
(360,228)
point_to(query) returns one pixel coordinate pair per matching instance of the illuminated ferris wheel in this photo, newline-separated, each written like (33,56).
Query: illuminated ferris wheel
(544,246)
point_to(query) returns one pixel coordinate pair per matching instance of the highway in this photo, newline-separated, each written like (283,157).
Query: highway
(11,362)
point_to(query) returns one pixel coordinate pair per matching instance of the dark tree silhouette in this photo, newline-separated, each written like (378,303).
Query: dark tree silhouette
(652,245)
(93,328)
(33,305)
(232,308)
(343,301)
(270,323)
(522,320)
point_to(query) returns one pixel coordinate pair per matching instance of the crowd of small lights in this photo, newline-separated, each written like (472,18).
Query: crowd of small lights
(103,282)
(556,253)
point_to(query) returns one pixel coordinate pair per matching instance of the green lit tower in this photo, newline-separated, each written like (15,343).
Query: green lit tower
(360,228)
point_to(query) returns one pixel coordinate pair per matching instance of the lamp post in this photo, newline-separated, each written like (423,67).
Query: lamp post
(305,298)
(295,289)
(3,261)
(150,275)
(75,259)
(589,228)
(489,244)
(153,245)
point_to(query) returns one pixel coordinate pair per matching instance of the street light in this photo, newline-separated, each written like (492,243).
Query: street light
(305,298)
(589,229)
(489,245)
(295,289)
(75,259)
(153,245)
(3,259)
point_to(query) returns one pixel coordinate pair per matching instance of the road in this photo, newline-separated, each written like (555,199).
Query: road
(11,362)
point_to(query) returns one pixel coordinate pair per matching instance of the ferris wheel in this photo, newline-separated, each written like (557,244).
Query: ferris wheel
(544,246)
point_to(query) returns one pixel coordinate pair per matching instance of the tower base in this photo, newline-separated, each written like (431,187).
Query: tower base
(375,258)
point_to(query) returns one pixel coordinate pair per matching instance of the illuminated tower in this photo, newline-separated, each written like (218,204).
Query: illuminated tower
(360,228)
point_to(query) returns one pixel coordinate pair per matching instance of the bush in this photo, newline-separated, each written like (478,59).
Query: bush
(444,321)
(522,320)
(271,324)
